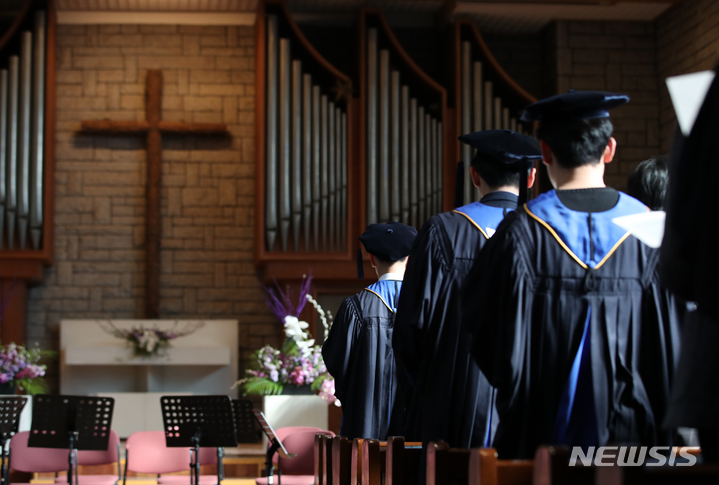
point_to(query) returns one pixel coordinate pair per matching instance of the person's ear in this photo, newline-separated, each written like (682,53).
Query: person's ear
(547,155)
(531,177)
(476,180)
(609,151)
(372,261)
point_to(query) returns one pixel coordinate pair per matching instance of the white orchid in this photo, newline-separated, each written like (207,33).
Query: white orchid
(295,328)
(149,340)
(305,347)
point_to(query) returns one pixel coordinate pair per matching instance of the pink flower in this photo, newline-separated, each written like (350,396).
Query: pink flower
(297,376)
(327,392)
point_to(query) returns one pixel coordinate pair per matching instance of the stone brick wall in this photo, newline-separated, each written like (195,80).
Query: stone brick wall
(208,183)
(687,41)
(521,56)
(615,56)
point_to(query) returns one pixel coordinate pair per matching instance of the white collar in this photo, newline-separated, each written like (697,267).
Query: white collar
(392,277)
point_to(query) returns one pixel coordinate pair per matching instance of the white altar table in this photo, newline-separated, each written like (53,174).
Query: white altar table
(93,362)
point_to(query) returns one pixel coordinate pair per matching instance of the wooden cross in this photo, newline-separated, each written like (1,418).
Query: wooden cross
(153,127)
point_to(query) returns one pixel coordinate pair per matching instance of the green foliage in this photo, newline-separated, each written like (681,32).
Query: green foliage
(261,386)
(289,347)
(317,383)
(33,386)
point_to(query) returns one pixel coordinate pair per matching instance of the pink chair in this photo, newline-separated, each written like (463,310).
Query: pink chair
(208,456)
(35,460)
(147,452)
(111,456)
(53,460)
(300,469)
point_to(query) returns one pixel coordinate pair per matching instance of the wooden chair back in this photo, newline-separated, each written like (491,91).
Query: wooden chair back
(327,460)
(373,462)
(323,459)
(403,461)
(447,466)
(356,464)
(341,460)
(551,467)
(699,474)
(486,469)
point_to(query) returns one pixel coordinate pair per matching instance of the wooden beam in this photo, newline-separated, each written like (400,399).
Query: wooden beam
(13,294)
(445,13)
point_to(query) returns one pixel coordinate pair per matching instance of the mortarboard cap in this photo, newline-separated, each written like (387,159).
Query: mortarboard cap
(574,105)
(516,152)
(512,149)
(391,241)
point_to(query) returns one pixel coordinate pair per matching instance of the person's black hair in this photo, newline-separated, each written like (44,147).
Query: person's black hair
(494,172)
(387,260)
(648,182)
(576,142)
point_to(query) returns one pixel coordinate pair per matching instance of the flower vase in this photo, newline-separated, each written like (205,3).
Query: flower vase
(9,388)
(289,390)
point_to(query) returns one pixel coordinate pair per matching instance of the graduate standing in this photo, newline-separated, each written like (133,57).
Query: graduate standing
(447,397)
(571,323)
(690,268)
(358,351)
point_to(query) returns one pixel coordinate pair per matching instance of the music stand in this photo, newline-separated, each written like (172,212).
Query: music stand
(199,422)
(246,430)
(10,409)
(275,446)
(73,422)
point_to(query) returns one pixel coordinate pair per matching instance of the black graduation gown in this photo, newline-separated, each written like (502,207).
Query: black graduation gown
(446,396)
(358,354)
(528,302)
(690,266)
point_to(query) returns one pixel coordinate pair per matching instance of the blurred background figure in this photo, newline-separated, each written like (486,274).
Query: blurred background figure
(648,182)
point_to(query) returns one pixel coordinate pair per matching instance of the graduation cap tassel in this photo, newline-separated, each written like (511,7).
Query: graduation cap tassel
(522,187)
(360,265)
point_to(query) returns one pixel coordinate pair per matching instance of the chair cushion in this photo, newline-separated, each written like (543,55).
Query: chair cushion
(289,480)
(89,479)
(185,479)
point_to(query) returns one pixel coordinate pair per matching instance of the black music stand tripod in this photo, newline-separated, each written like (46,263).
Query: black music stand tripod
(275,447)
(72,422)
(10,409)
(199,422)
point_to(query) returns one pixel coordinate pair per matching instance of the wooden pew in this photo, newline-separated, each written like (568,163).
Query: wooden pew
(403,461)
(486,469)
(699,474)
(356,465)
(373,462)
(447,466)
(341,461)
(327,460)
(323,459)
(551,467)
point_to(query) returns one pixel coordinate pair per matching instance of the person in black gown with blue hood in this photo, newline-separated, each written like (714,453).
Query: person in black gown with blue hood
(570,321)
(446,396)
(358,350)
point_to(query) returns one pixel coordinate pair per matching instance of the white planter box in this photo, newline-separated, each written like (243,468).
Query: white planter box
(283,411)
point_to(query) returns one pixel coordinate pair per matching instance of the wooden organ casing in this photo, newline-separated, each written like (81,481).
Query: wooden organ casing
(27,160)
